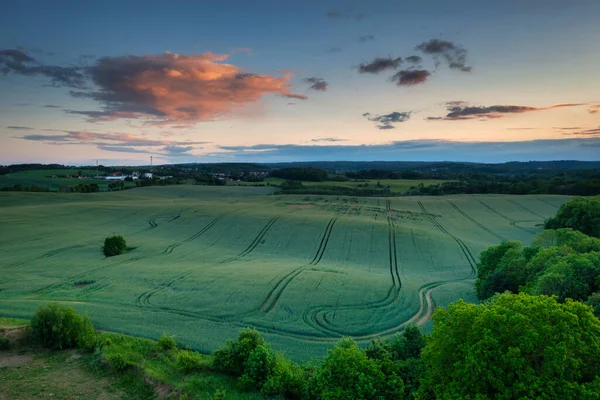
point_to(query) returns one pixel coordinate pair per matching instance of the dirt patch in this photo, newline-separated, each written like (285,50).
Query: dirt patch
(301,206)
(14,360)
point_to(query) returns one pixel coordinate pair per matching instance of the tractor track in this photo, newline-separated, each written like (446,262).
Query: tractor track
(511,221)
(255,242)
(522,207)
(473,220)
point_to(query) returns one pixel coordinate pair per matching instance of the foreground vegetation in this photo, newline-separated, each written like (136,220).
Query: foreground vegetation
(499,349)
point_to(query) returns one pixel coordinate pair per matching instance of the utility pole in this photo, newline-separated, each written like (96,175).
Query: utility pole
(150,163)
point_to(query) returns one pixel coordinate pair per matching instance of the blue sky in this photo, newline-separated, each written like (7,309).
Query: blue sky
(275,81)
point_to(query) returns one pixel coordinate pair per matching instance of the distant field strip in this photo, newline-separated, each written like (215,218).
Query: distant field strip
(206,261)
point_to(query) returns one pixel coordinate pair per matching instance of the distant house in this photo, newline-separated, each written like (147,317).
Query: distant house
(148,175)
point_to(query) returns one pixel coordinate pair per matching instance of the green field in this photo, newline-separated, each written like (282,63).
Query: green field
(207,261)
(397,186)
(45,178)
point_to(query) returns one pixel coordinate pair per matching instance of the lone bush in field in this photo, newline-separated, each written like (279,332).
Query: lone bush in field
(114,246)
(166,342)
(59,327)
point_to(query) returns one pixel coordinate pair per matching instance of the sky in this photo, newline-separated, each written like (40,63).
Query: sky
(118,82)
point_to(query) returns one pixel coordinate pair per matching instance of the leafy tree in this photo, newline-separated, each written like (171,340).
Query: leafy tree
(498,269)
(514,346)
(59,327)
(594,302)
(259,367)
(347,373)
(288,379)
(581,213)
(114,246)
(233,357)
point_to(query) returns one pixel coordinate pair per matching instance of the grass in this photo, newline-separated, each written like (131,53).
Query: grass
(207,261)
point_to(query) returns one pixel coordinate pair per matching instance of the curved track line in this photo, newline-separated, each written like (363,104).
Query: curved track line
(526,209)
(255,242)
(473,220)
(510,220)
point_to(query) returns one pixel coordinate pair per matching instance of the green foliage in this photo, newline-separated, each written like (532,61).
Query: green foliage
(514,346)
(581,213)
(259,367)
(300,174)
(114,246)
(219,394)
(4,343)
(166,342)
(287,378)
(561,262)
(116,361)
(59,327)
(594,302)
(347,373)
(189,361)
(233,357)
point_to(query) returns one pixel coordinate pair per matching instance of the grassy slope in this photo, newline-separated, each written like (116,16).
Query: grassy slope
(208,261)
(28,372)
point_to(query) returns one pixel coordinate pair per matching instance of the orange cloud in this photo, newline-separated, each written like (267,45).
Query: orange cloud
(172,88)
(594,109)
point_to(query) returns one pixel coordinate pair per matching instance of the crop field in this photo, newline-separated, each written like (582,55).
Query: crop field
(204,262)
(395,185)
(45,178)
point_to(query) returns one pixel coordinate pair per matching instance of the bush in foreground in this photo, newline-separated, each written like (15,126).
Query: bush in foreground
(513,347)
(59,327)
(114,246)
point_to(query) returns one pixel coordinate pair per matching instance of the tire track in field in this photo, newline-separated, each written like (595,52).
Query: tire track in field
(392,247)
(46,255)
(275,294)
(463,247)
(547,202)
(526,209)
(311,316)
(319,321)
(195,236)
(255,242)
(473,220)
(510,220)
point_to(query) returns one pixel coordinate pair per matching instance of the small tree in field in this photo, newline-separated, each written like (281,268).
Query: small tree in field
(114,245)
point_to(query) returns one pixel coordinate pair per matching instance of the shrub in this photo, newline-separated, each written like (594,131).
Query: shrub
(259,367)
(57,326)
(232,358)
(114,246)
(219,394)
(116,361)
(166,342)
(287,378)
(4,343)
(347,373)
(189,361)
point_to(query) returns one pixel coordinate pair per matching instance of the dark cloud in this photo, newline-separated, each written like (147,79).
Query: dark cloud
(585,132)
(366,38)
(51,106)
(176,151)
(455,56)
(19,128)
(465,112)
(409,77)
(594,109)
(328,139)
(413,59)
(579,148)
(379,64)
(123,149)
(17,62)
(569,128)
(317,83)
(387,121)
